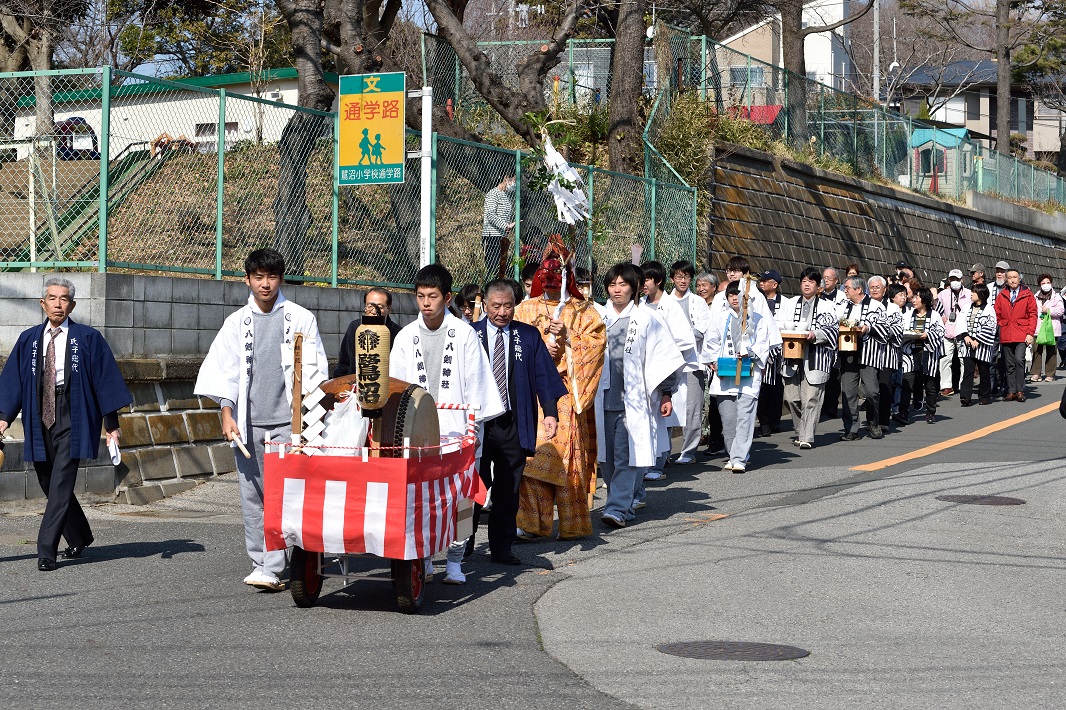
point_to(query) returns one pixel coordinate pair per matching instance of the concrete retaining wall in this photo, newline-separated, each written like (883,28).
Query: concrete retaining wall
(785,215)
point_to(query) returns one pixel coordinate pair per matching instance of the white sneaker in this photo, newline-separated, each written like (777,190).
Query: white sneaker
(654,475)
(265,580)
(453,573)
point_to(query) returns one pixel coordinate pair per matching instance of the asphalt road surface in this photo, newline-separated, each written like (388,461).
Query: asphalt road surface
(901,599)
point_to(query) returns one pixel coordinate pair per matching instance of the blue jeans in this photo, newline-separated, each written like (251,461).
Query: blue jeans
(623,481)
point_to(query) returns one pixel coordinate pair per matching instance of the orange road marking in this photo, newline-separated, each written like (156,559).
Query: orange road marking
(973,435)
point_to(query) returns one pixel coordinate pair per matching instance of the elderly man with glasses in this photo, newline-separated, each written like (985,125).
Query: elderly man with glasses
(860,367)
(377,302)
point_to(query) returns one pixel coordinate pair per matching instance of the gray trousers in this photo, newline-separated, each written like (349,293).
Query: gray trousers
(738,425)
(697,383)
(804,403)
(850,381)
(250,477)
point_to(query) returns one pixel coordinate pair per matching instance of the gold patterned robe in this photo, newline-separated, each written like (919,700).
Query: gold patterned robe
(560,472)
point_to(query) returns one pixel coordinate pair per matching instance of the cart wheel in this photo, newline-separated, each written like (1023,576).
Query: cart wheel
(409,579)
(305,577)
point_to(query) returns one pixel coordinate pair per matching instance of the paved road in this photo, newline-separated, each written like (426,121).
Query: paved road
(903,600)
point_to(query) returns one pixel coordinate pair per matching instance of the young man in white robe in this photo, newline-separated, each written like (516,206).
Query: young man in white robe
(441,353)
(677,323)
(699,316)
(635,392)
(733,339)
(244,373)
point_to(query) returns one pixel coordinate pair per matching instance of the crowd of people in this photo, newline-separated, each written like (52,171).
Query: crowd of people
(575,394)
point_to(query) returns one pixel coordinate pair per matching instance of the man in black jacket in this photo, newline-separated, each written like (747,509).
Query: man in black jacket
(377,301)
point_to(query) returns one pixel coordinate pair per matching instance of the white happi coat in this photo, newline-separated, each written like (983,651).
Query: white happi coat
(469,380)
(755,343)
(699,314)
(675,319)
(226,371)
(756,303)
(650,357)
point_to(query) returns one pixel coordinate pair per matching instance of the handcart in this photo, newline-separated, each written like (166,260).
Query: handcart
(403,503)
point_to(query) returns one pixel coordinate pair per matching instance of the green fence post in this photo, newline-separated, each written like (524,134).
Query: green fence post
(695,226)
(592,210)
(1032,185)
(855,133)
(979,161)
(517,215)
(335,221)
(433,201)
(703,67)
(220,148)
(785,75)
(747,86)
(821,119)
(105,147)
(651,234)
(570,67)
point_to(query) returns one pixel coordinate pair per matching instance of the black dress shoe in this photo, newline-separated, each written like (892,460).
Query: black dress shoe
(901,418)
(46,565)
(72,553)
(849,437)
(507,558)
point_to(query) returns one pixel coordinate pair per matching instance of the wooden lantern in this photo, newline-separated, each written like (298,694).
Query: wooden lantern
(794,345)
(372,339)
(848,339)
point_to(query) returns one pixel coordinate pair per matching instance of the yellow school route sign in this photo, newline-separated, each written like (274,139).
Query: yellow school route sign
(372,128)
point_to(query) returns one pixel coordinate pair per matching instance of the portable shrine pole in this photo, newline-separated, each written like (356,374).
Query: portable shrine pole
(297,388)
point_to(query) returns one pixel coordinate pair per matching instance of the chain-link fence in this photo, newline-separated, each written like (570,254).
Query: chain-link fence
(194,178)
(840,130)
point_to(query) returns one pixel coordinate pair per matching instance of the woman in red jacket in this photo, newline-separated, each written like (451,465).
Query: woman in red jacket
(1016,315)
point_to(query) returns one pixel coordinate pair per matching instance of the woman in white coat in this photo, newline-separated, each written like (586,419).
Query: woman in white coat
(735,340)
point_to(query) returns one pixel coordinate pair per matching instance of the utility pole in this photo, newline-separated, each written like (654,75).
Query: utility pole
(877,52)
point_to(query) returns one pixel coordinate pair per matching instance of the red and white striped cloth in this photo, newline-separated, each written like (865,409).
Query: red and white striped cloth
(401,509)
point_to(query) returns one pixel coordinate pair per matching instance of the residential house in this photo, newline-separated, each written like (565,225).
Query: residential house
(964,93)
(824,53)
(142,112)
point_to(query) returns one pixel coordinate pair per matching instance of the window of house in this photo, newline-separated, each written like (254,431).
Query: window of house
(973,107)
(927,156)
(747,76)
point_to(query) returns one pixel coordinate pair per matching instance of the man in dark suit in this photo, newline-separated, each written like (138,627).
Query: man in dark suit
(525,374)
(63,378)
(377,302)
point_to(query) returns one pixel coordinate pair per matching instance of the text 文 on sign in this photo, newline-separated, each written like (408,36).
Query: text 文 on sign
(371,135)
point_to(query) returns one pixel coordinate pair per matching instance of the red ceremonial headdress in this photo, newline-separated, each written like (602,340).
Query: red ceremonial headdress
(557,258)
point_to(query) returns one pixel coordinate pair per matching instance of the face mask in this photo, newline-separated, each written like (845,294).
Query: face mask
(1046,288)
(509,189)
(956,285)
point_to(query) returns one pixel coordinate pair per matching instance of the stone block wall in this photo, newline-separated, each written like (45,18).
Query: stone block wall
(785,215)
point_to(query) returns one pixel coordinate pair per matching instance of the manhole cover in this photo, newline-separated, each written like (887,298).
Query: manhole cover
(982,500)
(733,651)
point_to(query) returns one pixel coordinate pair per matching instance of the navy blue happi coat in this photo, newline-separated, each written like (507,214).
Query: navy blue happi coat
(533,377)
(92,377)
